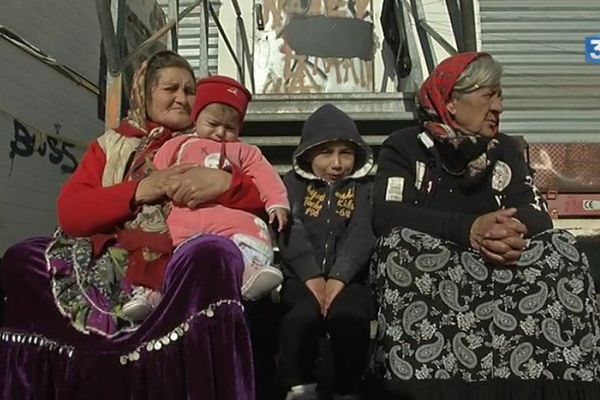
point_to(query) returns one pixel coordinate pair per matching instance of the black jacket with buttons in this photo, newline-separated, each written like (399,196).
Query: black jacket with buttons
(330,232)
(412,190)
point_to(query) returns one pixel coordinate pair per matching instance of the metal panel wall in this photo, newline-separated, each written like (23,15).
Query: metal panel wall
(189,35)
(66,31)
(551,94)
(35,99)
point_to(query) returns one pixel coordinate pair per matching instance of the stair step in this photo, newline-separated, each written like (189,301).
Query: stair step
(292,141)
(360,106)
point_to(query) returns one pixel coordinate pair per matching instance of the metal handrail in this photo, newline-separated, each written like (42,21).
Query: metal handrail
(158,34)
(108,12)
(429,29)
(109,39)
(241,29)
(214,16)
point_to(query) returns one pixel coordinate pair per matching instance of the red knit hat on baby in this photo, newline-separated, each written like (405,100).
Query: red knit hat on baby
(223,90)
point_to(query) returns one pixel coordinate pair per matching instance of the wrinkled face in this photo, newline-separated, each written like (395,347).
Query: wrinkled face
(478,112)
(332,161)
(218,122)
(171,98)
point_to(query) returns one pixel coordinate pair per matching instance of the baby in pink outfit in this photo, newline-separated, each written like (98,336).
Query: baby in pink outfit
(219,110)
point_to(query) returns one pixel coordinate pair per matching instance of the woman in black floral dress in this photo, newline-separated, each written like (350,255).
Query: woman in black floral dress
(478,297)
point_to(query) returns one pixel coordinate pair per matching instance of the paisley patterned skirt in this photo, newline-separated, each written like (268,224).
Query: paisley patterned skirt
(453,326)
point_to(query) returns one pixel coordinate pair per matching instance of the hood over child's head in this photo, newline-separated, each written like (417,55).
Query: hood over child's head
(331,147)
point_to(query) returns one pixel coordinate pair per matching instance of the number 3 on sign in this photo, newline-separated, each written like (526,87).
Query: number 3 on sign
(592,49)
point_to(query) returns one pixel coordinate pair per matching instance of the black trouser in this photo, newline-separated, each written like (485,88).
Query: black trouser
(1,300)
(302,326)
(262,319)
(1,307)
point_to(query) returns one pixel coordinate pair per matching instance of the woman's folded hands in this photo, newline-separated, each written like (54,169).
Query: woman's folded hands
(186,184)
(499,237)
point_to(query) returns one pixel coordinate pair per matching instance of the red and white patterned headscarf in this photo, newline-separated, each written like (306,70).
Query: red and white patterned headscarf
(437,89)
(434,95)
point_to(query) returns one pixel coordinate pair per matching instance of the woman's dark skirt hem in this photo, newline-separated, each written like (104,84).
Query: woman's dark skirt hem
(499,389)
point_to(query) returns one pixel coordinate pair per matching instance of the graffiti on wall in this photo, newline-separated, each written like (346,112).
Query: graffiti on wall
(26,144)
(312,46)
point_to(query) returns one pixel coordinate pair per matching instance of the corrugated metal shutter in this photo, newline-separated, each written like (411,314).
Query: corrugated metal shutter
(551,93)
(189,35)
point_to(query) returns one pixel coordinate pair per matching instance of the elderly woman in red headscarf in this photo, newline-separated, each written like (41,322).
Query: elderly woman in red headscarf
(478,296)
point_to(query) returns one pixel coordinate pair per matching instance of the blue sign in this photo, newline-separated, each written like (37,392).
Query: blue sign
(592,49)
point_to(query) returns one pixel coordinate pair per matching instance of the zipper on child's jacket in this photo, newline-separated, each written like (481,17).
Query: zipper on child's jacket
(327,223)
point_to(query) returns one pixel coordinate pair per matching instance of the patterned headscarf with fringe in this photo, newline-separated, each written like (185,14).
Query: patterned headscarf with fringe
(146,236)
(153,135)
(148,232)
(137,115)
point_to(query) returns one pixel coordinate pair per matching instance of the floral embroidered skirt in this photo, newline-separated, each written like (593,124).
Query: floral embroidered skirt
(195,345)
(451,326)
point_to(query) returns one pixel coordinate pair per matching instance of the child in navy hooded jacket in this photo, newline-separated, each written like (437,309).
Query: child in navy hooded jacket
(325,252)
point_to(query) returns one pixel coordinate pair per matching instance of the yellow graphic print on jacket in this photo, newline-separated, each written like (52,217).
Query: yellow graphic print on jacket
(345,203)
(314,201)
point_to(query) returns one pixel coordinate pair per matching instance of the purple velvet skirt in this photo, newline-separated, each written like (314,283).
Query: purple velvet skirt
(195,345)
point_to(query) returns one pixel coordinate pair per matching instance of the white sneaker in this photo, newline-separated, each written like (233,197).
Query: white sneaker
(303,392)
(143,302)
(259,280)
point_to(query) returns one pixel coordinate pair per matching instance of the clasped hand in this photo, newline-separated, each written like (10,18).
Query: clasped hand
(325,291)
(499,237)
(188,185)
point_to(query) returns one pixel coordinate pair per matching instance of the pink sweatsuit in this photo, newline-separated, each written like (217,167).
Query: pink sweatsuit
(240,226)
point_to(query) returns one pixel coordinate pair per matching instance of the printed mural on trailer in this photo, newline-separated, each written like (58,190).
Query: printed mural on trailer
(312,46)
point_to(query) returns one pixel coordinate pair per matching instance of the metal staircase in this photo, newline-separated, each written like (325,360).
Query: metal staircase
(207,31)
